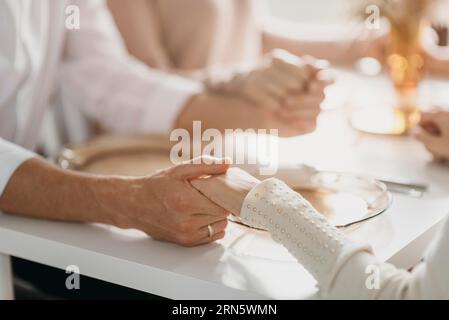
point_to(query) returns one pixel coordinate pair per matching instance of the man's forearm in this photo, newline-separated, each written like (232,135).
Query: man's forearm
(218,112)
(41,190)
(225,112)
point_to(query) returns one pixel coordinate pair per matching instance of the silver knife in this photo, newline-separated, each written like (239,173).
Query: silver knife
(416,190)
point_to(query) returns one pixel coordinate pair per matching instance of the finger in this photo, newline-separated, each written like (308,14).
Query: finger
(315,65)
(202,233)
(431,143)
(428,124)
(260,97)
(304,101)
(306,114)
(197,167)
(200,220)
(216,227)
(285,81)
(208,240)
(440,158)
(274,89)
(435,116)
(317,87)
(291,83)
(426,117)
(203,205)
(326,76)
(438,119)
(298,73)
(304,126)
(437,154)
(426,138)
(284,56)
(430,127)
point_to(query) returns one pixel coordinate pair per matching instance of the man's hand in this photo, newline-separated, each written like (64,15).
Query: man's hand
(269,83)
(223,112)
(279,76)
(164,205)
(435,134)
(168,208)
(301,109)
(227,190)
(285,94)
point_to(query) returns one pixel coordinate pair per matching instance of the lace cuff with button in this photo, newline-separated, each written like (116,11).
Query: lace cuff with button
(292,221)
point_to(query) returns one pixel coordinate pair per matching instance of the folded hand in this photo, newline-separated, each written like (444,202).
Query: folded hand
(435,134)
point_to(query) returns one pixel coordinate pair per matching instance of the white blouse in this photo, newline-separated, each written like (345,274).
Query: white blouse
(40,57)
(343,269)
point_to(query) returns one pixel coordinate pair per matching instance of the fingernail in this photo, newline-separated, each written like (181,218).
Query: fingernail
(326,75)
(322,64)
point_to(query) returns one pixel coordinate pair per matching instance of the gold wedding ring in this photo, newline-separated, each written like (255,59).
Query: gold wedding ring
(210,231)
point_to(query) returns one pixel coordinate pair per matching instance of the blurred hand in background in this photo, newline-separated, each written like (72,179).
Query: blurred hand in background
(435,134)
(290,87)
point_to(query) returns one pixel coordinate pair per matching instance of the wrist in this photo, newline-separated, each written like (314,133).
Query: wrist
(111,200)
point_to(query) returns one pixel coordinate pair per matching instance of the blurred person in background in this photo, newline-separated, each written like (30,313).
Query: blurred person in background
(234,38)
(233,50)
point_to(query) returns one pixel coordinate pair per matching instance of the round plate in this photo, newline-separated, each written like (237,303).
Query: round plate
(110,155)
(344,199)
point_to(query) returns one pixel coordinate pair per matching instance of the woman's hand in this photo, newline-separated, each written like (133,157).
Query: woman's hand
(279,75)
(267,86)
(167,207)
(435,134)
(286,86)
(227,190)
(303,108)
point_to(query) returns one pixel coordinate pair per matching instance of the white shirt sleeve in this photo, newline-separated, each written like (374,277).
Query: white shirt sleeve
(122,94)
(342,268)
(11,157)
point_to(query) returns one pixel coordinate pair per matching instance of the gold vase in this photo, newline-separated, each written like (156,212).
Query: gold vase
(405,62)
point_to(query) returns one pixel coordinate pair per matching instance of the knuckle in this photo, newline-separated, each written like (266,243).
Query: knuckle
(184,240)
(183,227)
(223,224)
(311,127)
(308,126)
(219,236)
(225,213)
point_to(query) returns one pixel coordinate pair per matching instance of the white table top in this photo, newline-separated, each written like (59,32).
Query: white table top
(248,264)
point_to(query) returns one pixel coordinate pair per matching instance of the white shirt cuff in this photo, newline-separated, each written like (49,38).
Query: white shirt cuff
(11,157)
(292,221)
(172,94)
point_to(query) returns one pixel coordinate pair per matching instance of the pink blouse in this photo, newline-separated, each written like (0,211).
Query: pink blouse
(210,33)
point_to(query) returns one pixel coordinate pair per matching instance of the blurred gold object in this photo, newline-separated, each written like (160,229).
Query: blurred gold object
(405,62)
